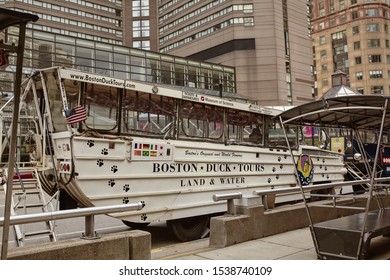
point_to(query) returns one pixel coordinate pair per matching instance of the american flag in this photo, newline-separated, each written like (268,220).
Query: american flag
(76,114)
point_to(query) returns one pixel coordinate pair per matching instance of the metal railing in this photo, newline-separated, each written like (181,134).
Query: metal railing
(89,214)
(264,193)
(231,210)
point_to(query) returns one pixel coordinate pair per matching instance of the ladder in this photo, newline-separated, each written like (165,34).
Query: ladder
(28,198)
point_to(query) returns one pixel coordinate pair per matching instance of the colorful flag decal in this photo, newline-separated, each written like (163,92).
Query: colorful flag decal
(146,150)
(145,153)
(76,114)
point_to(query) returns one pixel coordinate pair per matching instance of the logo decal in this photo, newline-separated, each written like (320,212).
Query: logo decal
(305,169)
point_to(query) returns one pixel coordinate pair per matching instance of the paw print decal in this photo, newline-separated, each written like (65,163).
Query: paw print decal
(126,187)
(105,151)
(125,200)
(111,183)
(273,169)
(281,166)
(100,162)
(269,180)
(114,168)
(91,143)
(279,159)
(144,217)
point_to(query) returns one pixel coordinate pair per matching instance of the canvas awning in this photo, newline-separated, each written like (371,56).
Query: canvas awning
(355,111)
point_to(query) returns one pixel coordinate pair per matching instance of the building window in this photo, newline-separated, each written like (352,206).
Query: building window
(371,12)
(140,8)
(340,48)
(355,30)
(145,45)
(358,60)
(325,82)
(375,74)
(322,40)
(374,58)
(353,2)
(359,75)
(355,14)
(338,35)
(141,28)
(323,54)
(356,45)
(247,8)
(373,43)
(341,4)
(377,90)
(324,67)
(372,27)
(249,21)
(321,8)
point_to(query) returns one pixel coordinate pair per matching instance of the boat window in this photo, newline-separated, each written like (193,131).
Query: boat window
(276,137)
(101,103)
(56,104)
(147,114)
(200,121)
(245,127)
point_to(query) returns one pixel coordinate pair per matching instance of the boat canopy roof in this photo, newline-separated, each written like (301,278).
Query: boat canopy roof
(354,111)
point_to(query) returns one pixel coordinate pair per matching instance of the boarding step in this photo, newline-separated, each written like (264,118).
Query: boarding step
(35,205)
(27,193)
(36,233)
(342,238)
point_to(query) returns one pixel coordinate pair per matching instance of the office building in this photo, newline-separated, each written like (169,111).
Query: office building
(352,36)
(62,37)
(132,23)
(267,41)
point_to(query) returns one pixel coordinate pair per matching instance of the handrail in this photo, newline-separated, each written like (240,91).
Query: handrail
(231,210)
(311,187)
(74,213)
(264,193)
(6,103)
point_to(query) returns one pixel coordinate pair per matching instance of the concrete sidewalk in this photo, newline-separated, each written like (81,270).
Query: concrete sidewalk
(292,245)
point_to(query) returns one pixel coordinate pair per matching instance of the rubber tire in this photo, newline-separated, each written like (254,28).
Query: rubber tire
(135,225)
(188,229)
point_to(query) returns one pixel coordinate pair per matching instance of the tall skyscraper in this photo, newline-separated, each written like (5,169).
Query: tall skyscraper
(131,23)
(352,36)
(267,41)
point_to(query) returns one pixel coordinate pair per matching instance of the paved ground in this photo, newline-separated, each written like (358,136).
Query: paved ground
(293,245)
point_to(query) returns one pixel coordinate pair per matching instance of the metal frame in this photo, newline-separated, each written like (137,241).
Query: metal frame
(350,112)
(11,18)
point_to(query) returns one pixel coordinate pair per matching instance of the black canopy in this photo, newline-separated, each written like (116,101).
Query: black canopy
(356,111)
(11,17)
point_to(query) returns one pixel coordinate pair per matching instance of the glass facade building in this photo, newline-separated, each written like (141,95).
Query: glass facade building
(44,50)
